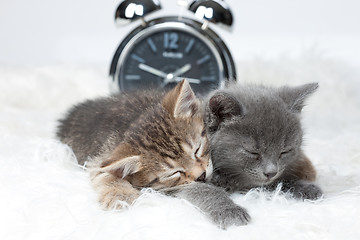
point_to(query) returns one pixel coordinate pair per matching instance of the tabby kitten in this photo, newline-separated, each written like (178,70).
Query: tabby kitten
(136,141)
(256,139)
(147,139)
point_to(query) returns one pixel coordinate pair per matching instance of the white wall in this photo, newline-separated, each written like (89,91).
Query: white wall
(83,31)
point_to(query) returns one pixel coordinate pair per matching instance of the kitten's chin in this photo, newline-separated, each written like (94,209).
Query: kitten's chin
(259,183)
(262,181)
(266,181)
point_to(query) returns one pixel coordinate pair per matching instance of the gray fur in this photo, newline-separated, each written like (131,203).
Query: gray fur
(256,138)
(214,202)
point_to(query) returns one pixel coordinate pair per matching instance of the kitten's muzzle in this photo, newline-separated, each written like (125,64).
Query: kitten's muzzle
(270,171)
(202,177)
(270,175)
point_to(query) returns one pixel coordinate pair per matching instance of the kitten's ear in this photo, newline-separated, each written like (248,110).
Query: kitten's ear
(222,106)
(181,101)
(295,97)
(123,167)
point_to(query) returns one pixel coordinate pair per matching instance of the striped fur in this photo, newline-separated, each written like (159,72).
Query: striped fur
(144,139)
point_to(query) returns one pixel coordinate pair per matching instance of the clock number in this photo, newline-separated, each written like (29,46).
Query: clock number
(171,40)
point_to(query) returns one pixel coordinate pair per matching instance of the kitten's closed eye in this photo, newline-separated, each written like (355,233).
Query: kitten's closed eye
(251,153)
(197,150)
(176,174)
(286,152)
(201,149)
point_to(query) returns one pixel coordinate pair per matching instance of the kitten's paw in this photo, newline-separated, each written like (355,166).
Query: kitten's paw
(230,216)
(111,200)
(306,190)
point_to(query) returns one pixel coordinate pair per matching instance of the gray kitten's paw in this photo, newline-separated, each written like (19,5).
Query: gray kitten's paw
(306,190)
(230,216)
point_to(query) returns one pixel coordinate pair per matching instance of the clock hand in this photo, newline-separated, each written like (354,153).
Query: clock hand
(152,70)
(190,80)
(182,70)
(173,77)
(169,78)
(178,79)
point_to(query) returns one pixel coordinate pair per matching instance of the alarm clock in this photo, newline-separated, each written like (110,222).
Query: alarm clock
(161,52)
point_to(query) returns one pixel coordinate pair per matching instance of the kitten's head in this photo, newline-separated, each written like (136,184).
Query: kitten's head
(167,146)
(255,131)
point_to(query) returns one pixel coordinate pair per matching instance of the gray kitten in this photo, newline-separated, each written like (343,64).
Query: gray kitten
(256,138)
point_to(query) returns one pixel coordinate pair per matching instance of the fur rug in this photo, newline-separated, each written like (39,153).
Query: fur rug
(45,195)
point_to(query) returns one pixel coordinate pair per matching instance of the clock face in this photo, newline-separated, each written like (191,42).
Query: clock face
(164,57)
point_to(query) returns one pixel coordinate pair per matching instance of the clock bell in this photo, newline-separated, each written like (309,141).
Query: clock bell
(160,52)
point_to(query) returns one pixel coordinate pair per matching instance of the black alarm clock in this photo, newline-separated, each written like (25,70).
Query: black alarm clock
(161,52)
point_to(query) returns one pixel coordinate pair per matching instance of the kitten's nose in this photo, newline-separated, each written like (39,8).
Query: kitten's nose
(201,178)
(270,174)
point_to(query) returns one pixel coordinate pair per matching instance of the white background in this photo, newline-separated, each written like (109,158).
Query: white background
(42,32)
(54,53)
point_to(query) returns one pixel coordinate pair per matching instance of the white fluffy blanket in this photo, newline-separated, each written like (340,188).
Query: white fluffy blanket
(44,195)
